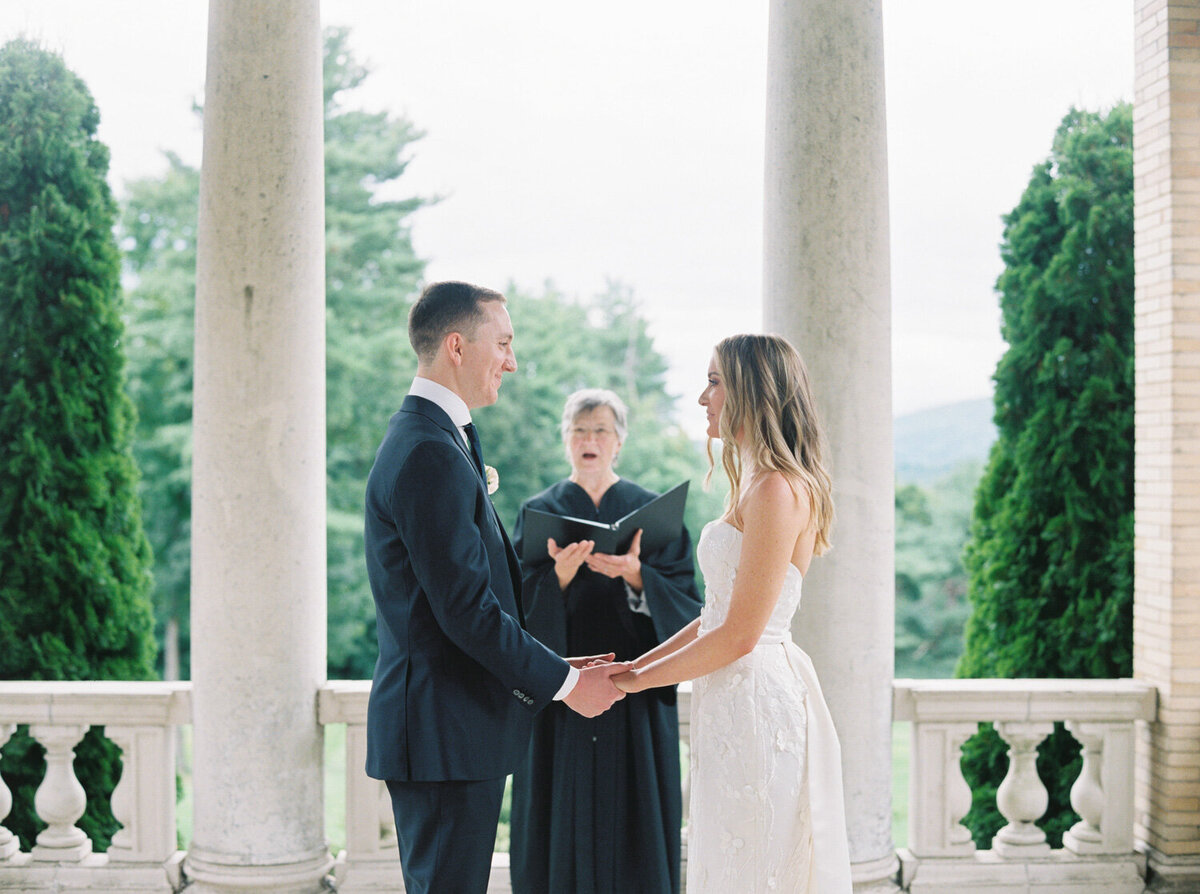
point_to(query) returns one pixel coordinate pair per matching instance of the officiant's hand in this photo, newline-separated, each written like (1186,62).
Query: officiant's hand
(627,567)
(567,559)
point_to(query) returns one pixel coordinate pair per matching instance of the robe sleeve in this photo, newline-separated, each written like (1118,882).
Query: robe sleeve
(669,585)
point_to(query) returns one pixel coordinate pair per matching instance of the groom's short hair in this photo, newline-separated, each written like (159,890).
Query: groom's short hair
(446,307)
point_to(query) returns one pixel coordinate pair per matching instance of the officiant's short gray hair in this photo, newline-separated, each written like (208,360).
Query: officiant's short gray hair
(587,399)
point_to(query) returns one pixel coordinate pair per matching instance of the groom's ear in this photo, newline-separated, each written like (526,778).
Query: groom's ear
(453,345)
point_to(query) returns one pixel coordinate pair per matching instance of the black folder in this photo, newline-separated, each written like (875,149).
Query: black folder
(661,521)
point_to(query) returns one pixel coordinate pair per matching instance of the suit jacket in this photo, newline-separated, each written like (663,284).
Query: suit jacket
(458,680)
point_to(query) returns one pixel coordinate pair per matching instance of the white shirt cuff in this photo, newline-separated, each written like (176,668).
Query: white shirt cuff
(568,683)
(637,601)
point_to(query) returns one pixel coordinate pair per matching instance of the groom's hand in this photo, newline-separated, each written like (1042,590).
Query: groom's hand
(595,693)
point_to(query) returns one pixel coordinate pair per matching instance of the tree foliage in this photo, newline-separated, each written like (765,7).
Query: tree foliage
(931,583)
(158,236)
(74,560)
(1050,557)
(371,272)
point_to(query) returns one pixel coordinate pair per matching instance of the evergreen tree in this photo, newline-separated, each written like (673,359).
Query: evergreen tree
(1050,557)
(74,560)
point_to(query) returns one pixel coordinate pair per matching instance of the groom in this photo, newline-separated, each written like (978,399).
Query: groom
(458,680)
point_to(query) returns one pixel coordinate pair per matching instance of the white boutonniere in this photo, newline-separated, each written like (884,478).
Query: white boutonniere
(493,479)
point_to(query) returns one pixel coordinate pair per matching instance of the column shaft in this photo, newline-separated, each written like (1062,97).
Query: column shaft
(258,488)
(826,288)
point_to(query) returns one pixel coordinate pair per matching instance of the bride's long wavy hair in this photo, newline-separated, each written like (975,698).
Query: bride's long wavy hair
(769,401)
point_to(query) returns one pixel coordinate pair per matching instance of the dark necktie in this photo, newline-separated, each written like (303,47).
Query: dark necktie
(476,448)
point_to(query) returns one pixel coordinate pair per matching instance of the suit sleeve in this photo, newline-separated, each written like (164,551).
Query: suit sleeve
(441,513)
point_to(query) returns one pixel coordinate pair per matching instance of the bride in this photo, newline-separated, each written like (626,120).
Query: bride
(766,792)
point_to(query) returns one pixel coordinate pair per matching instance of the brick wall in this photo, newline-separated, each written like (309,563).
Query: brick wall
(1167,419)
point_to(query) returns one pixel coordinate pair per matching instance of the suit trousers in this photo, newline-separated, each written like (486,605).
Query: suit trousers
(446,833)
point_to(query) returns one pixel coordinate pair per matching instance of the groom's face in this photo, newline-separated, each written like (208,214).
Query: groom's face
(487,356)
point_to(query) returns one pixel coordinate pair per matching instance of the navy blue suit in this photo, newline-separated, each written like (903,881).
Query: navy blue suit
(458,680)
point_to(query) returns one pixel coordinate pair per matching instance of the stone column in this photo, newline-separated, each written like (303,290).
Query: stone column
(258,487)
(826,288)
(1166,611)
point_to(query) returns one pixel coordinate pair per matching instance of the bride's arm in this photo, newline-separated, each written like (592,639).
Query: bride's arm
(773,519)
(684,636)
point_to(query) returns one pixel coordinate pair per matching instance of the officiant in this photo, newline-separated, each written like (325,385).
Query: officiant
(596,805)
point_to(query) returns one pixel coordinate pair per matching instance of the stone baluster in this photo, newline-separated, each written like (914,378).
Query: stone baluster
(60,799)
(1022,798)
(939,796)
(370,826)
(144,800)
(1103,793)
(9,844)
(371,861)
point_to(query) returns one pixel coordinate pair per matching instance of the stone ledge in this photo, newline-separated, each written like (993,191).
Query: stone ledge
(943,701)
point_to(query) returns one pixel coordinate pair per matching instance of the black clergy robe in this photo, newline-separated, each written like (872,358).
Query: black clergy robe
(596,804)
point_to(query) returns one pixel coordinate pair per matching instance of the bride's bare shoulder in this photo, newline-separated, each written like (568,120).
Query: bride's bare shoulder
(774,490)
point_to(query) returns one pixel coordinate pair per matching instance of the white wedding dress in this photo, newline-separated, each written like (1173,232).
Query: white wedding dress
(766,809)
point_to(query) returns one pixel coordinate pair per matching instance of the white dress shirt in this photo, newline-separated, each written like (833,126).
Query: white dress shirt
(456,408)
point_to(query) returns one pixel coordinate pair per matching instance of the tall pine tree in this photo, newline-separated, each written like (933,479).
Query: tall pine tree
(74,560)
(1050,557)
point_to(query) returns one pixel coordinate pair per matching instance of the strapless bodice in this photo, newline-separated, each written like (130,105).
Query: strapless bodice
(718,551)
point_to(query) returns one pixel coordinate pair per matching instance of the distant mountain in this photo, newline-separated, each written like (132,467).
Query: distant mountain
(929,444)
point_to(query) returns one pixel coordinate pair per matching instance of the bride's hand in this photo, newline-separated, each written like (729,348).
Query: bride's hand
(626,682)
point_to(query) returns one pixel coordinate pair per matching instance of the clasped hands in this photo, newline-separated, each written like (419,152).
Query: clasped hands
(595,692)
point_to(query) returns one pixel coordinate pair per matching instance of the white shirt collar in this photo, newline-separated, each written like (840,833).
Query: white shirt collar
(455,406)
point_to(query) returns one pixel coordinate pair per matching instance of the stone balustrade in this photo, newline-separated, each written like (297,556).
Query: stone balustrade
(1098,853)
(141,718)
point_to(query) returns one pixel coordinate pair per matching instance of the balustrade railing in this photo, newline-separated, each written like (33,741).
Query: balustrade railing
(1097,856)
(369,862)
(1098,853)
(141,718)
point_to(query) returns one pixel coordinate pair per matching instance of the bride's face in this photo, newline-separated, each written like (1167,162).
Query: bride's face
(712,398)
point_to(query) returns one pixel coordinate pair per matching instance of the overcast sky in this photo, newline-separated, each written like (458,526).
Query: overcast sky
(576,142)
